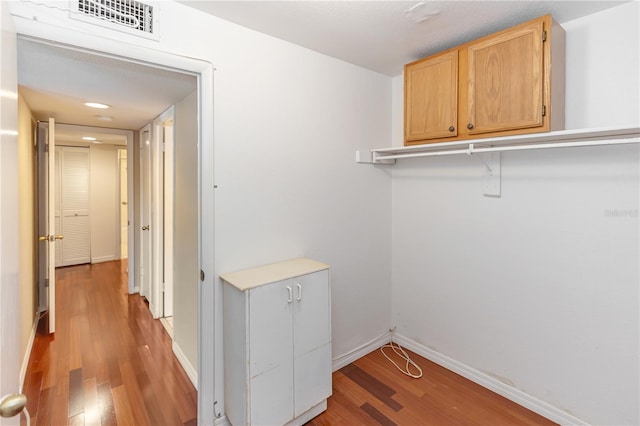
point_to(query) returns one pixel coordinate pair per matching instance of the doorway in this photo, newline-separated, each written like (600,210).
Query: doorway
(202,72)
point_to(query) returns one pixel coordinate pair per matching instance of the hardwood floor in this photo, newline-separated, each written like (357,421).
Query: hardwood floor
(371,391)
(108,362)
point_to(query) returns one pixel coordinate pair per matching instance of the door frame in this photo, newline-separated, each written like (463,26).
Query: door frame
(11,353)
(203,70)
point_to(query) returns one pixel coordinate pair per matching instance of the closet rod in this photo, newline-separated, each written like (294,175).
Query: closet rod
(471,149)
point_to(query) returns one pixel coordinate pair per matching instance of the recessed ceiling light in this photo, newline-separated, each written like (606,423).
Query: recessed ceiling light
(104,118)
(88,138)
(97,105)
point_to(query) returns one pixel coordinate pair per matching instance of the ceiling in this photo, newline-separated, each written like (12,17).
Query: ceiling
(384,35)
(379,35)
(56,81)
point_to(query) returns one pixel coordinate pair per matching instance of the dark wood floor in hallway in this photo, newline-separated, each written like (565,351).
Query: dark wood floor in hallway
(109,362)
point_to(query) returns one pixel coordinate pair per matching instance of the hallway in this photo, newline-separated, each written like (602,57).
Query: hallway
(109,362)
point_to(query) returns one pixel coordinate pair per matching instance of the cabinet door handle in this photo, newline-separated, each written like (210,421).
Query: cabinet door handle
(299,298)
(451,128)
(469,126)
(290,297)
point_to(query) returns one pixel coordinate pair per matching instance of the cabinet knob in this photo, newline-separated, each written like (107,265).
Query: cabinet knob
(451,128)
(469,126)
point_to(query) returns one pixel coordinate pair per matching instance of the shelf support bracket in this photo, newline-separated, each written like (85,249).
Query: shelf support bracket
(492,174)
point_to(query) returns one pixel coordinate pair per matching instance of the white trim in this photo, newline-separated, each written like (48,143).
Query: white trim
(222,421)
(101,259)
(516,395)
(360,351)
(184,362)
(27,353)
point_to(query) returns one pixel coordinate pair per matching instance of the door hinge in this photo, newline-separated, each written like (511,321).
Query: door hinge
(544,36)
(164,286)
(201,275)
(544,110)
(46,282)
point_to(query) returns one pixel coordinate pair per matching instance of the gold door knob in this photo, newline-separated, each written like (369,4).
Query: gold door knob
(13,404)
(51,238)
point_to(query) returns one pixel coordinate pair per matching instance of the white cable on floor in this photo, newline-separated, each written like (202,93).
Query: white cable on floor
(402,354)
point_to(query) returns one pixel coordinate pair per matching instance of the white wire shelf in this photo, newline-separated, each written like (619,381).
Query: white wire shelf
(557,139)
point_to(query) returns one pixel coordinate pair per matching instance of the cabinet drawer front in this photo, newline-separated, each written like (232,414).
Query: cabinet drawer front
(270,327)
(272,397)
(505,81)
(431,102)
(312,378)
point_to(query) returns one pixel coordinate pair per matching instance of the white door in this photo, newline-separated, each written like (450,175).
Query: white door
(168,216)
(311,340)
(47,220)
(72,206)
(145,212)
(161,300)
(271,353)
(124,204)
(9,278)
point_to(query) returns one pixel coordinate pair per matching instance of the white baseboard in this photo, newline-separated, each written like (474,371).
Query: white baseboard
(222,421)
(192,373)
(360,351)
(27,353)
(519,397)
(101,259)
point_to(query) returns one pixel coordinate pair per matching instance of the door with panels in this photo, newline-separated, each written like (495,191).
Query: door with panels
(72,206)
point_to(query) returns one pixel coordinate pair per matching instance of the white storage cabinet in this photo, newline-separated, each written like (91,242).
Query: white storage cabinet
(277,343)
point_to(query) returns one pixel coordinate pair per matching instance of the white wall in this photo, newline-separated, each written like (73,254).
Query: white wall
(28,227)
(185,243)
(539,288)
(287,123)
(104,203)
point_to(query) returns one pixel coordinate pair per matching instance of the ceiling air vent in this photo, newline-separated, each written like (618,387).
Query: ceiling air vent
(131,16)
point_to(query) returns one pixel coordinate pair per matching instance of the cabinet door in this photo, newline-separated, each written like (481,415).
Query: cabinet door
(431,98)
(271,354)
(505,80)
(311,341)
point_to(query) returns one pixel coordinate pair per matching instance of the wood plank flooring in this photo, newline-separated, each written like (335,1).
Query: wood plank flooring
(109,362)
(371,391)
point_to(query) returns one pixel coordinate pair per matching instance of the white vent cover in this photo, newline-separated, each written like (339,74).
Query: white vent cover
(130,16)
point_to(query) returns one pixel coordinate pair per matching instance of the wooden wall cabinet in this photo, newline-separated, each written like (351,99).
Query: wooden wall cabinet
(499,85)
(277,343)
